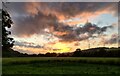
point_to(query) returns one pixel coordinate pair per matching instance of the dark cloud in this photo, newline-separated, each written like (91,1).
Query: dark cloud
(28,26)
(65,8)
(27,44)
(92,28)
(82,33)
(73,8)
(62,27)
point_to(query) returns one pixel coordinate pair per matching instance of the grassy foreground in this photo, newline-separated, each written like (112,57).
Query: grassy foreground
(61,65)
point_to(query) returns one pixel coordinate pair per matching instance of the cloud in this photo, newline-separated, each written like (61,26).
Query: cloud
(112,40)
(83,33)
(64,10)
(34,17)
(27,44)
(61,31)
(28,26)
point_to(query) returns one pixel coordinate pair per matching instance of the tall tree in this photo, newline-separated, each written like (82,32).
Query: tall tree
(7,42)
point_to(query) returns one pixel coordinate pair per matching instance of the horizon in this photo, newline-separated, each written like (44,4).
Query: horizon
(72,51)
(41,27)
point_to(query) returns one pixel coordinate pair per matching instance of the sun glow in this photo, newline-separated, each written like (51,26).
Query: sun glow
(62,47)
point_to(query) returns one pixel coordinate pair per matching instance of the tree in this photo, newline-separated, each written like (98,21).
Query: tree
(77,53)
(47,54)
(7,42)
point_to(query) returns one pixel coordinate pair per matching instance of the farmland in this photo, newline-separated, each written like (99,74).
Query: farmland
(61,65)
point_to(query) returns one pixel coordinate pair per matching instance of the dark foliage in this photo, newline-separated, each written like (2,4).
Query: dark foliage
(98,52)
(7,42)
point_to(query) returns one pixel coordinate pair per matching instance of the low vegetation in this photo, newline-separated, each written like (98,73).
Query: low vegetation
(61,65)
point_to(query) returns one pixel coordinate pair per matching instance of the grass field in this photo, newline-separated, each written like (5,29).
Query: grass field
(61,65)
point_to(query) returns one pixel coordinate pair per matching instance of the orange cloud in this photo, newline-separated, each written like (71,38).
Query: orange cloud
(60,33)
(32,8)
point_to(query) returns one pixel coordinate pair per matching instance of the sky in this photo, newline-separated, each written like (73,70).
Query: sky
(41,27)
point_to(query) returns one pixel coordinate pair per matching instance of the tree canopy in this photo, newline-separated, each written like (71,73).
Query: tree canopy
(7,42)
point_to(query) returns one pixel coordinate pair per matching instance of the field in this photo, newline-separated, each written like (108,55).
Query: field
(61,65)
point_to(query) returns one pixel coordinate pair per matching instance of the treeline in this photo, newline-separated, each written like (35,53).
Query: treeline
(93,52)
(97,52)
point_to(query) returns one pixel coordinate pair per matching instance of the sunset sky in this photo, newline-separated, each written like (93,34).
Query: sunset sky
(41,27)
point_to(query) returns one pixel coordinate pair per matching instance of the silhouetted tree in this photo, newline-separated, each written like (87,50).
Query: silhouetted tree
(41,55)
(7,42)
(53,54)
(77,53)
(48,54)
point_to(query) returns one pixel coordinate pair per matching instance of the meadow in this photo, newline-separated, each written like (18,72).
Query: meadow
(61,65)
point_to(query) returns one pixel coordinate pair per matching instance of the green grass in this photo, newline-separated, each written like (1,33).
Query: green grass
(61,65)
